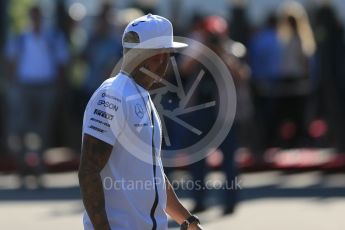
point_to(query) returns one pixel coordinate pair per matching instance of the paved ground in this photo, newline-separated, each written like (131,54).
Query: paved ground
(271,200)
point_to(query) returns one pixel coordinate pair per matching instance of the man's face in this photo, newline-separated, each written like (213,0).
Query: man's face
(154,61)
(158,63)
(162,68)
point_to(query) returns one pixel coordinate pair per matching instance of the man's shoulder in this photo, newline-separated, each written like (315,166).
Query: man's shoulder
(114,88)
(108,99)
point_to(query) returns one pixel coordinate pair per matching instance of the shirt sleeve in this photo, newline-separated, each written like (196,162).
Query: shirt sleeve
(104,116)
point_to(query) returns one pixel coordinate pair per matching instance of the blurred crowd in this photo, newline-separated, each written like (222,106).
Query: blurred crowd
(288,73)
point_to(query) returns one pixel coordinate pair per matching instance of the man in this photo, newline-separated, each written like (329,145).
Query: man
(122,139)
(214,31)
(103,49)
(36,60)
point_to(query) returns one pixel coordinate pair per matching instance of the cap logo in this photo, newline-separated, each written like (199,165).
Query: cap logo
(137,23)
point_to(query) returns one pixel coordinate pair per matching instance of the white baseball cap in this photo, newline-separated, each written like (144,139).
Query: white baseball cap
(154,31)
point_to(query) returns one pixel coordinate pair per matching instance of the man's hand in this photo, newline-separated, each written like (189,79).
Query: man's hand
(195,226)
(176,210)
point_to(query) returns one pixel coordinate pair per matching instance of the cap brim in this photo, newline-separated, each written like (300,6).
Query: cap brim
(174,45)
(179,45)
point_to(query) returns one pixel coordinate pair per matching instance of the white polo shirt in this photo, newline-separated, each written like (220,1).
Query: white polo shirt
(134,187)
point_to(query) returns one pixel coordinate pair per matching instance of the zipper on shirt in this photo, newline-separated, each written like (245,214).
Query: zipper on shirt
(156,200)
(155,203)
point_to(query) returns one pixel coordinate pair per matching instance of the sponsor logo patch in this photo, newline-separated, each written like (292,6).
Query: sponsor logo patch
(111,97)
(96,128)
(103,114)
(139,111)
(100,122)
(107,104)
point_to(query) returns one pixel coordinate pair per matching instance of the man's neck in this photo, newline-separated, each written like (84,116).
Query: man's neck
(139,78)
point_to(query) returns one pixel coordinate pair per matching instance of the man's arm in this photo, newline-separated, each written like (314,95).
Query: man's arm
(95,154)
(175,209)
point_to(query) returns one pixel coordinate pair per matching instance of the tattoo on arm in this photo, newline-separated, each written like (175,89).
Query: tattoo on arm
(95,154)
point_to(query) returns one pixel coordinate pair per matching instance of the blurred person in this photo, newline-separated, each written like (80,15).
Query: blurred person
(64,21)
(330,93)
(36,60)
(178,132)
(297,39)
(68,116)
(102,50)
(110,130)
(265,52)
(196,31)
(215,36)
(293,87)
(3,32)
(239,23)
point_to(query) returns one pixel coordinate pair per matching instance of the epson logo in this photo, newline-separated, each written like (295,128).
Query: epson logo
(108,105)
